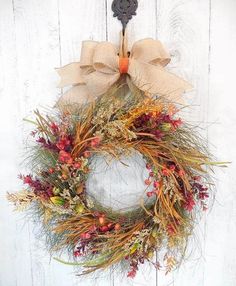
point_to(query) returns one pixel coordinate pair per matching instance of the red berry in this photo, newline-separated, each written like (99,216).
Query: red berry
(51,170)
(104,228)
(77,254)
(77,165)
(165,171)
(27,179)
(172,167)
(95,142)
(87,154)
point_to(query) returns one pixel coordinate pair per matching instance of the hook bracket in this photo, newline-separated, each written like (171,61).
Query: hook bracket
(124,10)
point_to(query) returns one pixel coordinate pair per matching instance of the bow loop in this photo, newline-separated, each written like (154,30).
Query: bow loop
(105,58)
(87,52)
(150,51)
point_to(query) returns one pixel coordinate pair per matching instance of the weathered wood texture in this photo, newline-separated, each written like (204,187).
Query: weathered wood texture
(35,37)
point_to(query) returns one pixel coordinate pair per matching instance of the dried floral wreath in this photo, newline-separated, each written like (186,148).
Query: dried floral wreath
(177,186)
(98,116)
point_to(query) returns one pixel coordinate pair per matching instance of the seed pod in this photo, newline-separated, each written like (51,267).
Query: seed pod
(80,189)
(58,201)
(165,127)
(56,191)
(79,208)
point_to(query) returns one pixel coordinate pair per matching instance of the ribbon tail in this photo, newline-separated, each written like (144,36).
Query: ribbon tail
(156,80)
(70,74)
(98,83)
(72,99)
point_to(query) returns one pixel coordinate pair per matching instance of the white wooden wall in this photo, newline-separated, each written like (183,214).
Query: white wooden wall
(36,36)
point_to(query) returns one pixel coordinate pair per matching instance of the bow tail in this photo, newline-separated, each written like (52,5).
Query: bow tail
(74,98)
(98,83)
(157,81)
(70,74)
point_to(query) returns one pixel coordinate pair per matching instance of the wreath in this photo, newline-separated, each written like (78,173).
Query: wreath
(177,187)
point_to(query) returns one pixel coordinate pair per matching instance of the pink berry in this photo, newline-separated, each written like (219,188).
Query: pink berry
(85,236)
(149,194)
(147,182)
(172,167)
(148,166)
(156,184)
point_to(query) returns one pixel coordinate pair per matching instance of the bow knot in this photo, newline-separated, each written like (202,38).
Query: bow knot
(123,65)
(101,66)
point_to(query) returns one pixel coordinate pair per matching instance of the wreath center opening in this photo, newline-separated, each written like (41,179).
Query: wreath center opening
(118,184)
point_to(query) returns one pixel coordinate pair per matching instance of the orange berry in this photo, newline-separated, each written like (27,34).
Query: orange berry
(101,220)
(181,173)
(117,226)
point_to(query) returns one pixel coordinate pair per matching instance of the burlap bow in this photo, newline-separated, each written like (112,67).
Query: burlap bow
(101,66)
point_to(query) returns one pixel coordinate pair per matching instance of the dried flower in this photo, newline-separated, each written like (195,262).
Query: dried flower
(63,143)
(189,202)
(181,173)
(132,273)
(150,194)
(65,157)
(85,236)
(95,142)
(156,184)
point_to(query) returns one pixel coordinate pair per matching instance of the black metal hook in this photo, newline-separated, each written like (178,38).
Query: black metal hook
(124,10)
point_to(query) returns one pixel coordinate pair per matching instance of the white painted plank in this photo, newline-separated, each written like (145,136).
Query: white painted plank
(12,247)
(36,45)
(10,270)
(220,254)
(184,27)
(79,21)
